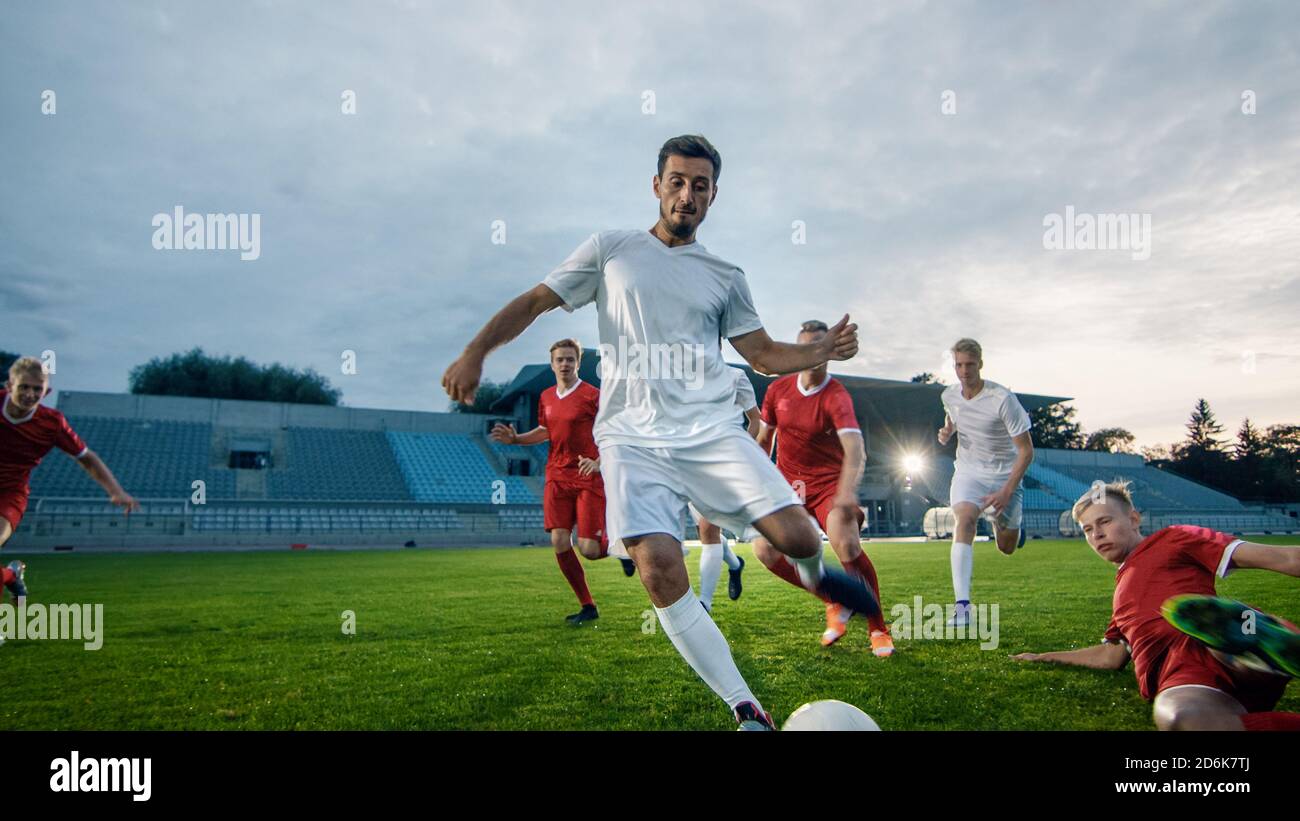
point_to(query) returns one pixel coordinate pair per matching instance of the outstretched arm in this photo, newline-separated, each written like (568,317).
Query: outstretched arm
(772,358)
(505,434)
(1278,558)
(1098,657)
(93,465)
(462,376)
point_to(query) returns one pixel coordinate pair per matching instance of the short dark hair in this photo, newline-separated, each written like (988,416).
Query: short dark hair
(813,326)
(691,145)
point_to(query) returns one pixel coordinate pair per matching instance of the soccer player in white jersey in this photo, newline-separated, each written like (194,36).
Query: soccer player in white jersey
(993,452)
(665,428)
(714,547)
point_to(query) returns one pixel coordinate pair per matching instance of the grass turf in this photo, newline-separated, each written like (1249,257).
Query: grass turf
(475,639)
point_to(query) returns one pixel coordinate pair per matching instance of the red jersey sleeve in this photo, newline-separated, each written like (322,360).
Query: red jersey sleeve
(1207,548)
(1113,635)
(840,405)
(67,440)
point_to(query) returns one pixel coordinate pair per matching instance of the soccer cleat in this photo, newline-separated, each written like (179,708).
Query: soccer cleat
(752,719)
(849,591)
(629,566)
(1252,637)
(587,613)
(837,623)
(16,587)
(882,645)
(960,615)
(733,580)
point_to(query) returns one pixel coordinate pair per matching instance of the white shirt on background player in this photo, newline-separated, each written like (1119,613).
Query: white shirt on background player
(986,423)
(647,293)
(746,399)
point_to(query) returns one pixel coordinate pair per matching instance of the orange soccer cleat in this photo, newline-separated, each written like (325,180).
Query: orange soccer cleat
(837,623)
(882,645)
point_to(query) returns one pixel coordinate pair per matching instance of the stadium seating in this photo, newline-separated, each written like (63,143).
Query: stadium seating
(337,465)
(444,467)
(151,458)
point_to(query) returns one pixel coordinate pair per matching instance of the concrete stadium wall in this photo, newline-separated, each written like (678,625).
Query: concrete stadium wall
(230,413)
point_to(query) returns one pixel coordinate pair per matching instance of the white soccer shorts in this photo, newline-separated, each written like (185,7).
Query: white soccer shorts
(973,487)
(729,481)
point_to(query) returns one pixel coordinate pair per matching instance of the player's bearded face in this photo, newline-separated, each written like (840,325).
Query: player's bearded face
(685,191)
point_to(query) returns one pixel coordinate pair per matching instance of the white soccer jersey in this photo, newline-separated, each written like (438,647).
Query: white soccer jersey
(985,426)
(660,310)
(745,397)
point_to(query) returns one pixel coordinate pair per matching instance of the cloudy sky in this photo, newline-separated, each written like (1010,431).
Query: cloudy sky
(920,145)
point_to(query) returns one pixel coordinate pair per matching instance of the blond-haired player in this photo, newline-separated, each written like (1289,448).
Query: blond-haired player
(28,431)
(993,452)
(1167,618)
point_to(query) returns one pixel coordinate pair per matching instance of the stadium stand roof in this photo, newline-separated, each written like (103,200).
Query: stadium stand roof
(886,406)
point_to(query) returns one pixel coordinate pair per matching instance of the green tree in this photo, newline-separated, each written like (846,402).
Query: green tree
(1249,461)
(1054,427)
(926,378)
(197,374)
(485,397)
(1282,450)
(1110,440)
(1201,456)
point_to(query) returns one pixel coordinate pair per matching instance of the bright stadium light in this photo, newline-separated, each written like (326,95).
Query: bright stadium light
(912,463)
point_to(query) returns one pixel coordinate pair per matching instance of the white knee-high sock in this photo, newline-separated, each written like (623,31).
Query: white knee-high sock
(728,556)
(962,556)
(710,571)
(810,569)
(704,647)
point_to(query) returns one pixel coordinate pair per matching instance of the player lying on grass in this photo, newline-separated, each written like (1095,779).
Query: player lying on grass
(573,499)
(666,426)
(1193,686)
(994,450)
(28,431)
(809,417)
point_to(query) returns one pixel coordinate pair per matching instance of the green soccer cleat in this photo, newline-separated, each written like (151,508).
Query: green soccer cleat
(1253,638)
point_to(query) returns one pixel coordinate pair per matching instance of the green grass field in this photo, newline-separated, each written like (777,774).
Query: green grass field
(475,639)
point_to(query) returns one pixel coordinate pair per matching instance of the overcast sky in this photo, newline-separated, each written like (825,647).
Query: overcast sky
(377,227)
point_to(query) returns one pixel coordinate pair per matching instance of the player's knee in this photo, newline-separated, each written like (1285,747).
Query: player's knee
(765,553)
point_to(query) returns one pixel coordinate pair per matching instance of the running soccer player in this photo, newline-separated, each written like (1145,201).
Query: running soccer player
(819,448)
(573,499)
(714,547)
(1172,572)
(28,431)
(993,452)
(665,428)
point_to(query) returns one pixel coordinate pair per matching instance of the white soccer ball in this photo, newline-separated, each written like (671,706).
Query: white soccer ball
(829,715)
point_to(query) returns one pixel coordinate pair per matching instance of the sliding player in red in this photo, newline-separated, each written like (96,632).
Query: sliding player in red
(1164,596)
(574,496)
(820,449)
(28,431)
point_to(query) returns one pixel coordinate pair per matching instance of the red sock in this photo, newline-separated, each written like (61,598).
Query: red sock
(572,570)
(604,546)
(1271,721)
(6,577)
(862,566)
(786,570)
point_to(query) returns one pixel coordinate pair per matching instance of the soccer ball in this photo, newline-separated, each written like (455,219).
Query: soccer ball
(829,715)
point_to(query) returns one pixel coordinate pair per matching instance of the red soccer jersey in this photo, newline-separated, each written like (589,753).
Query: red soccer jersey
(568,421)
(1175,561)
(24,444)
(808,426)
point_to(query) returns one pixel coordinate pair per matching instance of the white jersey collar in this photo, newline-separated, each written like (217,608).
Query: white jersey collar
(798,383)
(559,394)
(19,420)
